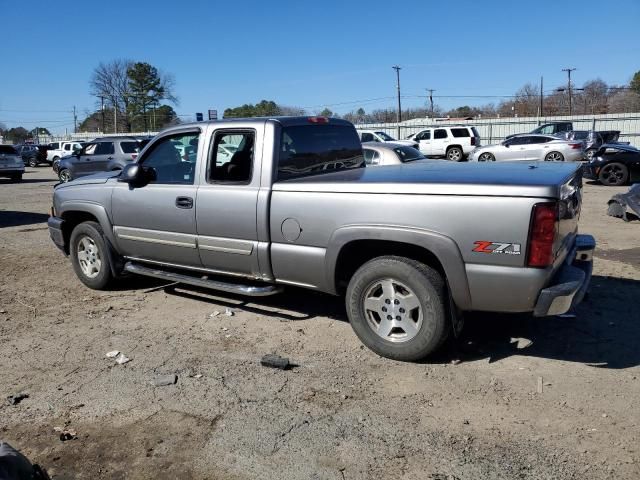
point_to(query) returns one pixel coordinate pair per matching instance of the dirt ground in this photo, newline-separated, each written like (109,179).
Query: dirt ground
(343,412)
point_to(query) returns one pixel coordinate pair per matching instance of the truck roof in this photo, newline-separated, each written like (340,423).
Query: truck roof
(284,121)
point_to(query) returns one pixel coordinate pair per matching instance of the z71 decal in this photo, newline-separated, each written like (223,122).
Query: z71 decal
(483,246)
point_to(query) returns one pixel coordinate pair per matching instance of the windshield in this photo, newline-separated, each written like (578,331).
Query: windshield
(385,137)
(408,154)
(8,150)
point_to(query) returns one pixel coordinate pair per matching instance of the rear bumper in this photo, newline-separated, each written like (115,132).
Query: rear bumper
(55,232)
(570,283)
(9,171)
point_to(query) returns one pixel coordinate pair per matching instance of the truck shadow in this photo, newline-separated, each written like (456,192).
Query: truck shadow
(602,334)
(10,218)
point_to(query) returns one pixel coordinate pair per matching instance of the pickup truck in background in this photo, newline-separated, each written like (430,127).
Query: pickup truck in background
(411,247)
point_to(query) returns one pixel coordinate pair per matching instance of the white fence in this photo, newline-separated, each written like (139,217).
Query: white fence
(493,130)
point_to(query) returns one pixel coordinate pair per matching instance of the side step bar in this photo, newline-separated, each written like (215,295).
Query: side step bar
(249,290)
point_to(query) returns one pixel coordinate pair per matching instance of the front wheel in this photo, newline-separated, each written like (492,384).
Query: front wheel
(614,174)
(89,255)
(396,307)
(55,165)
(64,175)
(455,154)
(33,162)
(589,154)
(554,157)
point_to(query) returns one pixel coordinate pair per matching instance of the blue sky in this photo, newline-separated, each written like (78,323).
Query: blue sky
(309,54)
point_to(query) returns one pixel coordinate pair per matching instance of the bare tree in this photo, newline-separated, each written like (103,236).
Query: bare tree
(624,101)
(110,82)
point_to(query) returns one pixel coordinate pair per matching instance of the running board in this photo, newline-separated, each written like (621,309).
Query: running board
(249,290)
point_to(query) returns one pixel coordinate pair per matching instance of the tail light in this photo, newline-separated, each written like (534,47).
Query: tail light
(542,233)
(575,146)
(318,120)
(473,141)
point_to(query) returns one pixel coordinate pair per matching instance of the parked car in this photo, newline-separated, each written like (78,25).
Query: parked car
(376,153)
(57,150)
(11,164)
(33,155)
(454,143)
(383,137)
(531,147)
(593,140)
(614,165)
(100,155)
(551,128)
(409,246)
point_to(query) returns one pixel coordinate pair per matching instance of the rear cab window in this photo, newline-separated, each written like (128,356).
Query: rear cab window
(314,149)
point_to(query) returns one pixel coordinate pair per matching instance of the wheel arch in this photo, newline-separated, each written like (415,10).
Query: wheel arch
(79,212)
(350,247)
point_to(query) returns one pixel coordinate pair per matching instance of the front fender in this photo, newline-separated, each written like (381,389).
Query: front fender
(92,208)
(442,247)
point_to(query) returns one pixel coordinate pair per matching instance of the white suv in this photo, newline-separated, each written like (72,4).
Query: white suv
(380,136)
(57,150)
(453,143)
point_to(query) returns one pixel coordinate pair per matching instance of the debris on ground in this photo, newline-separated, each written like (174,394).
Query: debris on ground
(122,359)
(17,398)
(164,380)
(113,354)
(275,361)
(66,433)
(228,312)
(540,386)
(521,343)
(214,314)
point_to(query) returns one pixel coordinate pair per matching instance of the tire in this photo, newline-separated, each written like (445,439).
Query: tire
(17,177)
(554,157)
(89,255)
(589,154)
(64,175)
(55,165)
(33,162)
(614,174)
(486,157)
(455,154)
(416,296)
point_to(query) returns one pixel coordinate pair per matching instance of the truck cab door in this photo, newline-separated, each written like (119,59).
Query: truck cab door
(228,201)
(157,222)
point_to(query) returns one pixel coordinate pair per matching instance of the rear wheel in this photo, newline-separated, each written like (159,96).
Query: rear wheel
(89,256)
(455,154)
(396,307)
(614,174)
(554,157)
(33,162)
(486,157)
(589,154)
(64,175)
(55,165)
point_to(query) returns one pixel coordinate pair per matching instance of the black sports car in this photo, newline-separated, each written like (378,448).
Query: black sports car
(614,164)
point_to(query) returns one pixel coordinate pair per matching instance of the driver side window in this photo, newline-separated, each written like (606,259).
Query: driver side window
(173,159)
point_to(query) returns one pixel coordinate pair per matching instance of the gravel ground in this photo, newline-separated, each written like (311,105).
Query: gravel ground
(515,397)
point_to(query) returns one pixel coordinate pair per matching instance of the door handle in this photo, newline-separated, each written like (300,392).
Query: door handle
(109,158)
(184,202)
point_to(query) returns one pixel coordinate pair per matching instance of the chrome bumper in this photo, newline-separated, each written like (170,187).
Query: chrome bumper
(569,285)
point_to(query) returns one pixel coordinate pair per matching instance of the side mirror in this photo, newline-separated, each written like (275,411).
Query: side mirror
(505,144)
(134,175)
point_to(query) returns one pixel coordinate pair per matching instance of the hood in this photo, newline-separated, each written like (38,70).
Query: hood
(95,179)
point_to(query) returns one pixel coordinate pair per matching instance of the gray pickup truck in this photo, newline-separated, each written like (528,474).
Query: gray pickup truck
(265,203)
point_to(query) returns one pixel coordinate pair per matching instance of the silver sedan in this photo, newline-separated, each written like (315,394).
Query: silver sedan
(531,147)
(388,153)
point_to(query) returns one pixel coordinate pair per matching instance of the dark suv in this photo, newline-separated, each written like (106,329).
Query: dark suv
(33,155)
(100,155)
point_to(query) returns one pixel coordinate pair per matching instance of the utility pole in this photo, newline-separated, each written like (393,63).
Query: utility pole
(75,120)
(569,70)
(431,90)
(399,113)
(541,97)
(102,109)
